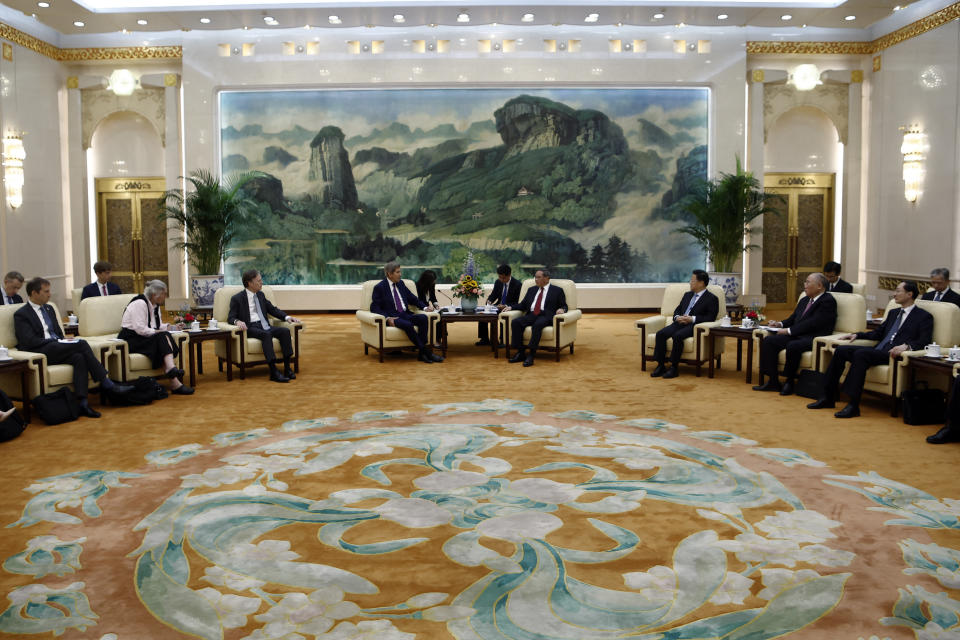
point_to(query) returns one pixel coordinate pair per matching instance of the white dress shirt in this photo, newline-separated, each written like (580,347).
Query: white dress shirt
(47,333)
(140,321)
(252,305)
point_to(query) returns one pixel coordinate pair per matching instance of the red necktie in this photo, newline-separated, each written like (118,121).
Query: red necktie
(807,308)
(104,289)
(536,303)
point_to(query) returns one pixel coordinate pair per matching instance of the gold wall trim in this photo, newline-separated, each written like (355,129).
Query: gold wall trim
(889,283)
(27,41)
(912,30)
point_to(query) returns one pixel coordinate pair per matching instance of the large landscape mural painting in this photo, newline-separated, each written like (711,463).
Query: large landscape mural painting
(584,181)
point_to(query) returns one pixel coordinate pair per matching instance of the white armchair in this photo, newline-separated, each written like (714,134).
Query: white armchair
(374,331)
(247,351)
(851,317)
(559,335)
(889,379)
(694,351)
(100,319)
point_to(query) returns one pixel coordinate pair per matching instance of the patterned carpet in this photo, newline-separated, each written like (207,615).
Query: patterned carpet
(481,521)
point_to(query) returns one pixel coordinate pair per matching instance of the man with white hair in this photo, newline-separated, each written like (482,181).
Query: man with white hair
(144,333)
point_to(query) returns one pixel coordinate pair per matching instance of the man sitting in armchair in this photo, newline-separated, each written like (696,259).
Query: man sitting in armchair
(249,310)
(697,305)
(541,303)
(391,299)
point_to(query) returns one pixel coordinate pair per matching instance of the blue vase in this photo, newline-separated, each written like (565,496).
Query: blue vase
(468,305)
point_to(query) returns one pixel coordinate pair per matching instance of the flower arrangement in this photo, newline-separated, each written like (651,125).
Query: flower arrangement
(183,315)
(755,315)
(468,287)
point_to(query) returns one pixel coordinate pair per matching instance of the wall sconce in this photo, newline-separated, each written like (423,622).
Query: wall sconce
(13,157)
(123,83)
(805,77)
(913,150)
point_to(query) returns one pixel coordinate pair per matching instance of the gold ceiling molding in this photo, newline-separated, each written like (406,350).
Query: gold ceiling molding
(912,30)
(87,54)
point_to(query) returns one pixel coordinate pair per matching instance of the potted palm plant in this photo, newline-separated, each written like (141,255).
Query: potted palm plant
(208,215)
(722,211)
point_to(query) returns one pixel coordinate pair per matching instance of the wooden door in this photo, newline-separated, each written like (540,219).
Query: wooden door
(798,239)
(131,230)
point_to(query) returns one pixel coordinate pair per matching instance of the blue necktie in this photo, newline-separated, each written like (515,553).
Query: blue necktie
(693,301)
(263,320)
(503,296)
(49,321)
(884,345)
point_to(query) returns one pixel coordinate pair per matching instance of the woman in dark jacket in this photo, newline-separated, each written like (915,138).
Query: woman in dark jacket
(427,287)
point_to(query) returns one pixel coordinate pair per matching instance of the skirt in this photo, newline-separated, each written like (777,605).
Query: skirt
(154,347)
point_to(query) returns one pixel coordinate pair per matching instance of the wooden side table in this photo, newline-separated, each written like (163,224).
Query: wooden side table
(197,338)
(741,335)
(489,318)
(23,366)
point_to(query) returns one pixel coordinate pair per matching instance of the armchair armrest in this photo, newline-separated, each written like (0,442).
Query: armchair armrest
(370,318)
(510,315)
(706,326)
(651,324)
(569,316)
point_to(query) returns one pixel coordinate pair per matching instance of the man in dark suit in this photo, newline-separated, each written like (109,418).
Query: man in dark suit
(909,328)
(940,290)
(102,285)
(541,303)
(506,292)
(38,330)
(697,305)
(950,432)
(832,271)
(249,310)
(11,285)
(815,315)
(392,299)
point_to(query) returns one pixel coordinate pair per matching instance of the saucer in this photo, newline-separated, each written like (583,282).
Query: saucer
(7,359)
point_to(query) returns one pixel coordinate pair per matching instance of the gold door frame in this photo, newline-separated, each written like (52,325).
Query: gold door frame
(792,186)
(134,190)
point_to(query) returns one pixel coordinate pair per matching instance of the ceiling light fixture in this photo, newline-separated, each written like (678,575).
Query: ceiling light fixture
(463,16)
(398,18)
(142,22)
(78,23)
(527,17)
(334,20)
(592,17)
(204,20)
(658,16)
(850,18)
(805,77)
(722,16)
(786,17)
(897,8)
(43,5)
(123,82)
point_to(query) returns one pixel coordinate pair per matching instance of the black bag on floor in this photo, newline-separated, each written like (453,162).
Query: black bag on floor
(14,425)
(145,391)
(810,384)
(58,406)
(924,406)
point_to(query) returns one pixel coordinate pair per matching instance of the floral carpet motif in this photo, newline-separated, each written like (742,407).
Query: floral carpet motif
(481,521)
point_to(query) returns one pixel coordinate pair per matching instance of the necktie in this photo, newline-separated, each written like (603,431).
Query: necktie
(807,308)
(51,326)
(536,303)
(693,301)
(396,299)
(263,321)
(104,287)
(884,345)
(937,297)
(503,294)
(9,299)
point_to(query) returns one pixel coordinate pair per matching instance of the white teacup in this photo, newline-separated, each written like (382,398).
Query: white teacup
(72,319)
(725,321)
(195,325)
(747,323)
(933,350)
(954,353)
(4,352)
(869,314)
(213,323)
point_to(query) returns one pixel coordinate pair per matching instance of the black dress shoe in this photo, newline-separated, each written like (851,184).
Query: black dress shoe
(786,389)
(423,357)
(482,343)
(90,412)
(528,362)
(670,373)
(121,388)
(659,371)
(519,356)
(174,372)
(435,357)
(822,403)
(276,376)
(769,385)
(288,372)
(945,435)
(849,411)
(184,390)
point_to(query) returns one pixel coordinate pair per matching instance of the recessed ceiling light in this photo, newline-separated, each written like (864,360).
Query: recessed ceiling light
(43,5)
(897,8)
(463,16)
(681,25)
(78,23)
(849,18)
(658,16)
(786,17)
(204,20)
(527,17)
(593,17)
(398,18)
(334,19)
(142,22)
(722,16)
(307,26)
(270,20)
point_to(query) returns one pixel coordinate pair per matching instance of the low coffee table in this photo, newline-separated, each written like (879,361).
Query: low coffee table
(489,318)
(742,335)
(23,366)
(197,338)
